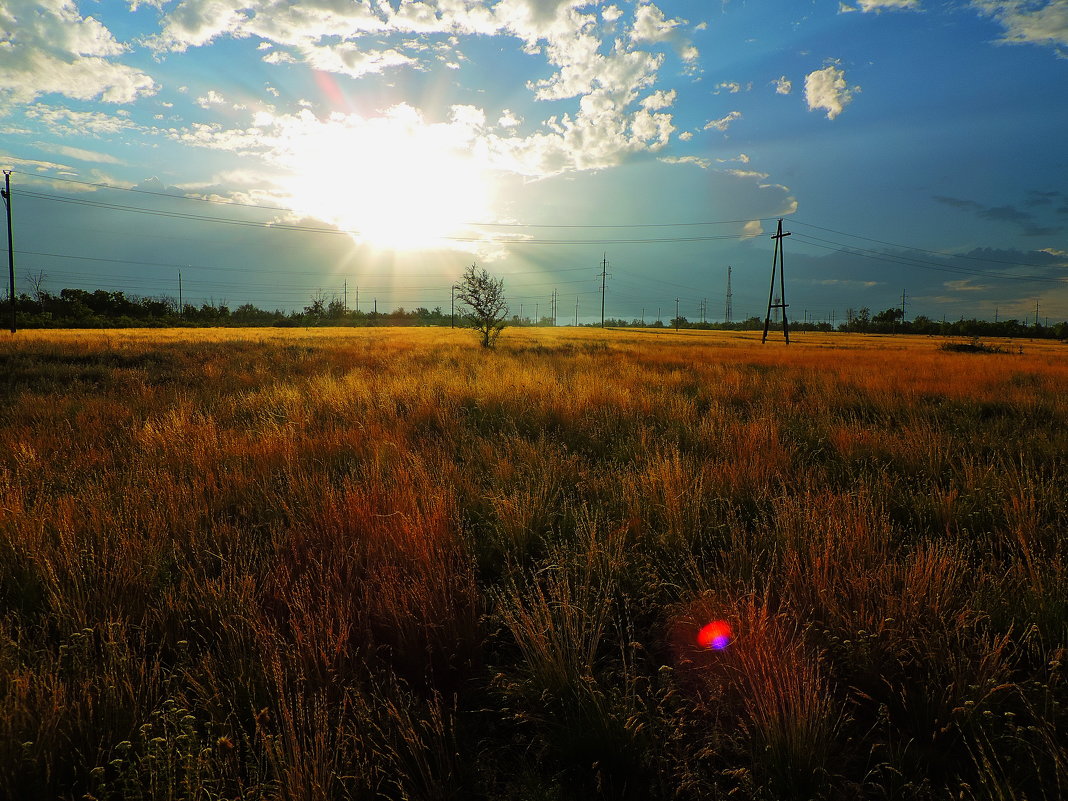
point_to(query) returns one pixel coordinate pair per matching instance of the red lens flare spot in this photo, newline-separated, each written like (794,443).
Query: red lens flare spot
(716,634)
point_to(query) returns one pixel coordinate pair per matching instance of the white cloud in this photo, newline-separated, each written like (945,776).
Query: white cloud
(783,86)
(213,98)
(884,5)
(752,228)
(697,161)
(733,87)
(686,136)
(650,24)
(659,99)
(610,79)
(1042,22)
(827,89)
(49,48)
(509,120)
(965,285)
(80,154)
(68,122)
(747,174)
(723,122)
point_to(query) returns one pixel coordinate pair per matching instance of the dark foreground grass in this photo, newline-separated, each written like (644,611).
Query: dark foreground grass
(386,564)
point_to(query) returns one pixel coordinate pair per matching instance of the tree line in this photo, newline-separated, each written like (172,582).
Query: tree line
(79,308)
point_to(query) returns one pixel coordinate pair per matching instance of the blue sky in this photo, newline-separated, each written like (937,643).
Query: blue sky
(271,150)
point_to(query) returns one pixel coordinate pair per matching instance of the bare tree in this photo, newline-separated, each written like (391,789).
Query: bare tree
(484,296)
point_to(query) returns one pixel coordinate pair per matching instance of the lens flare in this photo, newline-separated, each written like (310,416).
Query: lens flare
(716,634)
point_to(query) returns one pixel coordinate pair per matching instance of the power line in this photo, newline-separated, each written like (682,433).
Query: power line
(221,202)
(912,247)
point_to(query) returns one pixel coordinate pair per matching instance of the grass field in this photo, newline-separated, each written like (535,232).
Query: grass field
(384,563)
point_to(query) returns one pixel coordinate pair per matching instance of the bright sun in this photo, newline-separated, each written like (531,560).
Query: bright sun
(395,182)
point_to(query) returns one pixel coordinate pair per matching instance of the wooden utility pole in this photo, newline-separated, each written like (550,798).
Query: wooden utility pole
(576,311)
(604,278)
(676,314)
(777,263)
(730,297)
(181,302)
(10,246)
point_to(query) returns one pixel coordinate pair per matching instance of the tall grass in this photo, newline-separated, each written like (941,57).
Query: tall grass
(382,563)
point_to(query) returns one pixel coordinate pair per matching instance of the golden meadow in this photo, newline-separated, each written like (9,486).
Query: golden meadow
(384,563)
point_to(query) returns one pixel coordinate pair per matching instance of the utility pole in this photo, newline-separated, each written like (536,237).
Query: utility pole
(345,295)
(537,314)
(995,314)
(730,296)
(576,311)
(604,278)
(6,193)
(676,315)
(13,288)
(643,317)
(452,304)
(357,298)
(520,313)
(554,308)
(777,262)
(902,307)
(704,305)
(181,304)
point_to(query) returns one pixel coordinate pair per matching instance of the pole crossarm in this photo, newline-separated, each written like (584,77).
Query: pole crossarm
(777,265)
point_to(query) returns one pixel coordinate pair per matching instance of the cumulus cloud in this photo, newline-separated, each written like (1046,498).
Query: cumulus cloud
(783,86)
(650,24)
(609,78)
(49,48)
(753,228)
(1042,22)
(733,87)
(827,89)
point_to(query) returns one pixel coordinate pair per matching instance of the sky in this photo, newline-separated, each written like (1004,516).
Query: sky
(370,150)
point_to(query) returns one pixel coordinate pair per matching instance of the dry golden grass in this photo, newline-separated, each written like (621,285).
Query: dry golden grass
(357,563)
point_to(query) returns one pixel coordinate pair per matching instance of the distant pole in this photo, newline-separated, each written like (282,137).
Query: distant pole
(357,298)
(604,278)
(452,304)
(658,314)
(902,307)
(520,312)
(730,296)
(995,314)
(777,262)
(676,314)
(643,317)
(576,311)
(345,295)
(537,314)
(181,303)
(13,290)
(10,246)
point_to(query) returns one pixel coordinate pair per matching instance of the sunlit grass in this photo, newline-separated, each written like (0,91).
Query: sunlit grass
(365,563)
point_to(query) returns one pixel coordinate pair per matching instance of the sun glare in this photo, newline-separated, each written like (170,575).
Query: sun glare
(395,182)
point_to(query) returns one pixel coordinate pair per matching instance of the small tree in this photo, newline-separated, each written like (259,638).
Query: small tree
(484,296)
